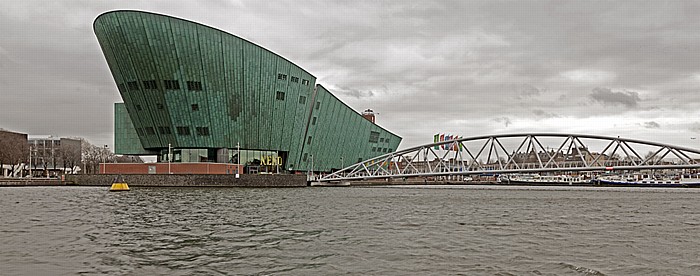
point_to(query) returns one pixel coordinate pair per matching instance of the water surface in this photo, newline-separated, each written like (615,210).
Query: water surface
(417,230)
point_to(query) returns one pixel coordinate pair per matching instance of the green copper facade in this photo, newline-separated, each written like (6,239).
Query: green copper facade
(196,87)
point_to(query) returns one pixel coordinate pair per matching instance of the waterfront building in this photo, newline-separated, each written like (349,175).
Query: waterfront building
(13,153)
(193,93)
(51,156)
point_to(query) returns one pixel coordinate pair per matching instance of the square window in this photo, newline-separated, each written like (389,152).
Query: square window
(302,99)
(164,130)
(150,131)
(195,107)
(305,82)
(171,84)
(183,130)
(381,140)
(295,79)
(138,107)
(202,131)
(280,96)
(194,85)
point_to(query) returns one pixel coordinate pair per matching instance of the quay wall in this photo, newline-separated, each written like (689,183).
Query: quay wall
(191,180)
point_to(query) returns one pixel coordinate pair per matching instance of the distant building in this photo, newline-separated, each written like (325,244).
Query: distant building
(13,152)
(53,155)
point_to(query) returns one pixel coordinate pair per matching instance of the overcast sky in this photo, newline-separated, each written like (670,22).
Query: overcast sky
(469,68)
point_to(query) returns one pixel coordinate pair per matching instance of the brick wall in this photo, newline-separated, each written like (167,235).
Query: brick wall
(194,180)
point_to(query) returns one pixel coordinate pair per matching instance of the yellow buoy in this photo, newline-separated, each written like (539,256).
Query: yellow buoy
(119,186)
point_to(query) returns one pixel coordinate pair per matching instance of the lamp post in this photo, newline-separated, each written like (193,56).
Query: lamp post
(312,166)
(104,161)
(30,161)
(169,157)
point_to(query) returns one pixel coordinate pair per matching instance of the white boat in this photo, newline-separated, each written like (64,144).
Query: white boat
(536,179)
(637,180)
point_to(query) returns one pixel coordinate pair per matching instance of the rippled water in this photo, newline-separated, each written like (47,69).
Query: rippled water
(322,231)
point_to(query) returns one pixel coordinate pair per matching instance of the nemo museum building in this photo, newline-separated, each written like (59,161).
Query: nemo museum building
(202,95)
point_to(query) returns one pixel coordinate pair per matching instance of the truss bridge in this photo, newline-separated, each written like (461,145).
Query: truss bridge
(521,153)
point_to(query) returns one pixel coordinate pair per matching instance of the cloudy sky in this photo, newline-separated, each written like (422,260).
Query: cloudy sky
(629,69)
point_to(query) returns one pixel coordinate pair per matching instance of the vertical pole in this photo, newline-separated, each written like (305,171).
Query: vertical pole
(30,161)
(169,157)
(238,166)
(104,157)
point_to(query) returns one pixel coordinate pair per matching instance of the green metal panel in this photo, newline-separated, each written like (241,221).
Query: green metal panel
(237,101)
(126,140)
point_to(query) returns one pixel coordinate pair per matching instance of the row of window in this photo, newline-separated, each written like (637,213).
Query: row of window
(281,76)
(280,96)
(181,130)
(168,84)
(383,150)
(374,138)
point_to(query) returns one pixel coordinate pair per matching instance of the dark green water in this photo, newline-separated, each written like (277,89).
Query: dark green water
(357,231)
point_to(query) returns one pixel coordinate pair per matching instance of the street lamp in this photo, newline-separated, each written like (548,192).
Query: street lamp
(169,157)
(104,162)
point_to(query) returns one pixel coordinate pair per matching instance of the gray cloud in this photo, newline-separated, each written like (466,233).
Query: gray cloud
(433,66)
(543,114)
(606,96)
(505,120)
(651,124)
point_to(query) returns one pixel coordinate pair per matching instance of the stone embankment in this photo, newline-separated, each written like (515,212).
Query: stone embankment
(192,180)
(172,180)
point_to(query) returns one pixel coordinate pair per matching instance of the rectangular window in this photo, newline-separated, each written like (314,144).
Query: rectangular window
(164,130)
(281,76)
(374,149)
(302,99)
(195,107)
(133,85)
(381,140)
(304,159)
(138,107)
(171,84)
(373,136)
(294,79)
(150,131)
(313,121)
(150,84)
(194,85)
(183,130)
(203,131)
(280,96)
(384,150)
(159,105)
(318,104)
(308,141)
(305,82)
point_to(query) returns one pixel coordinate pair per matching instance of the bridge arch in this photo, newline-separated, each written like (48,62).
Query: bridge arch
(520,153)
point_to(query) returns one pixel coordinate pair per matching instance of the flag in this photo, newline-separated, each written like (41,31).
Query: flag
(436,138)
(442,138)
(461,147)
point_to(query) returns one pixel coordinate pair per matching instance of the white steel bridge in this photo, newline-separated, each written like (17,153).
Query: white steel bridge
(520,153)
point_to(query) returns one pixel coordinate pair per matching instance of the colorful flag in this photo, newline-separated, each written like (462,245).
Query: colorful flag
(436,138)
(442,138)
